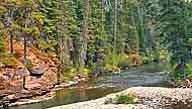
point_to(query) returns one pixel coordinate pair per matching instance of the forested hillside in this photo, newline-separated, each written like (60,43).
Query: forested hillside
(59,40)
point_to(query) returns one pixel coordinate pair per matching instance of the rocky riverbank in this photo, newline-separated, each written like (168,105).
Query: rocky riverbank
(34,96)
(40,76)
(146,98)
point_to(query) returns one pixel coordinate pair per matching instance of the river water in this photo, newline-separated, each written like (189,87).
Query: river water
(150,75)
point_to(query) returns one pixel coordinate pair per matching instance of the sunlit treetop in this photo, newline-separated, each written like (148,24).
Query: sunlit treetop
(188,1)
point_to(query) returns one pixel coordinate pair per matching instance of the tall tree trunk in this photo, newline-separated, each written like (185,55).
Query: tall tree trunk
(25,35)
(63,56)
(11,42)
(102,11)
(9,24)
(83,52)
(63,49)
(25,59)
(115,31)
(25,49)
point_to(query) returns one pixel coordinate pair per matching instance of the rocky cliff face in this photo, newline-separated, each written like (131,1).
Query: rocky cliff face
(40,74)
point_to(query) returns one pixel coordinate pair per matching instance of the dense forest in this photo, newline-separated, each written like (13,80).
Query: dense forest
(92,37)
(49,42)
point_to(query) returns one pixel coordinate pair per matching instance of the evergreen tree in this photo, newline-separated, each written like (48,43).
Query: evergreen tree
(175,34)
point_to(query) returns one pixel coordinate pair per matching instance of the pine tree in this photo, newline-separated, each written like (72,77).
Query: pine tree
(175,34)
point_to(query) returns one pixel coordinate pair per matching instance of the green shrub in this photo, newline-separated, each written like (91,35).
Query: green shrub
(125,99)
(84,71)
(163,55)
(124,61)
(8,60)
(114,64)
(111,68)
(189,71)
(176,72)
(146,59)
(111,59)
(68,74)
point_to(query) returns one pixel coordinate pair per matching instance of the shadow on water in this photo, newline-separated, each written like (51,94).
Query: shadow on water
(143,76)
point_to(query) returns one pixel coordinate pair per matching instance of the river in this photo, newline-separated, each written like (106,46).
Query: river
(148,75)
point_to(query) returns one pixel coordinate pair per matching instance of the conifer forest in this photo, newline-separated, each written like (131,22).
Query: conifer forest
(54,53)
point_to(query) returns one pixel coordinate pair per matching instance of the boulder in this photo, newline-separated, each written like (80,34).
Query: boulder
(38,71)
